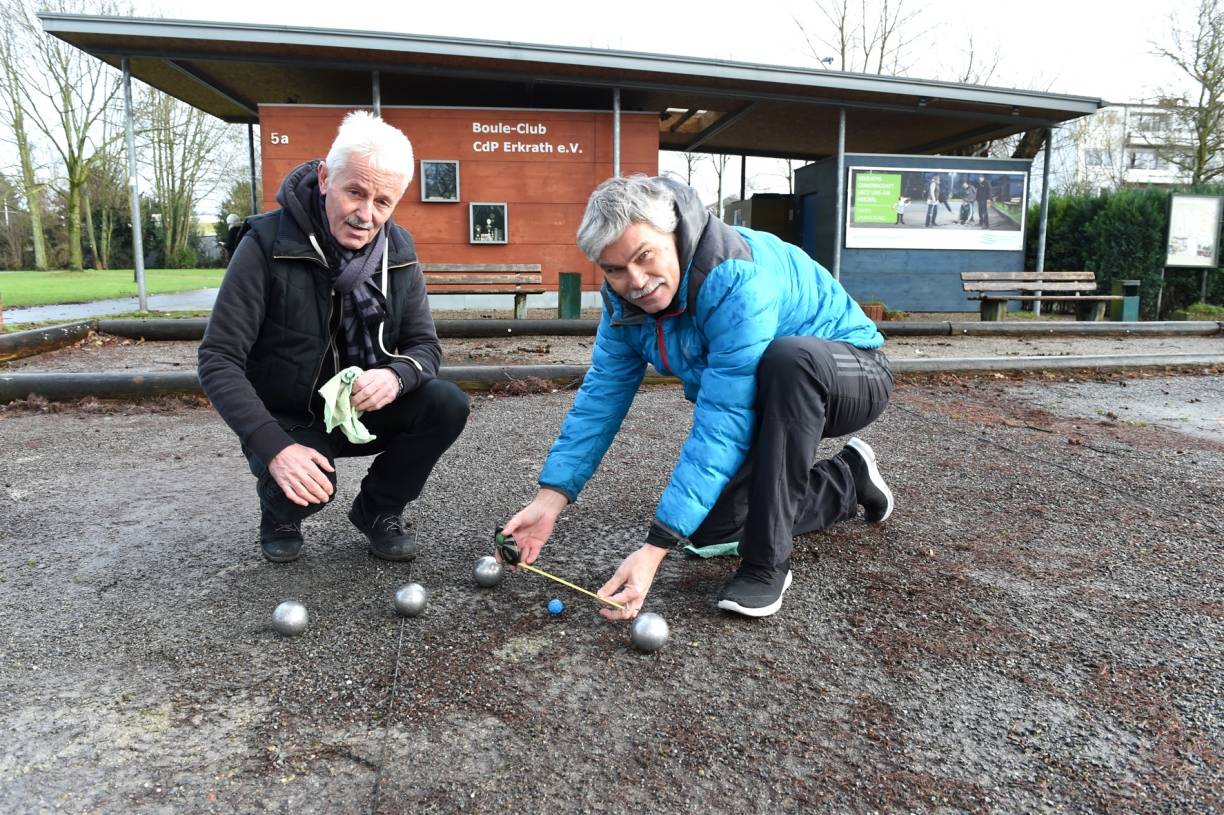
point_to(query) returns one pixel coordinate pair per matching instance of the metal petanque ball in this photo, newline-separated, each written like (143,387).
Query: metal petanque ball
(488,571)
(410,599)
(290,618)
(649,632)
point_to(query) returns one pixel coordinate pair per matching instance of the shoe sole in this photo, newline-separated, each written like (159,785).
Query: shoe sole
(873,474)
(763,611)
(280,558)
(393,559)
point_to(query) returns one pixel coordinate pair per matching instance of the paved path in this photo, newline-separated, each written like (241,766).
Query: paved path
(176,301)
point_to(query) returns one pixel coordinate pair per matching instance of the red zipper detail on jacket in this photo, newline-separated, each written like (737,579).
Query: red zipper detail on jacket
(662,344)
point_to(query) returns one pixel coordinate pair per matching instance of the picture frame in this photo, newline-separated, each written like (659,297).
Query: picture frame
(487,222)
(439,181)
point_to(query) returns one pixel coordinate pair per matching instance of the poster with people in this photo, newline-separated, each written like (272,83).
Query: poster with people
(935,208)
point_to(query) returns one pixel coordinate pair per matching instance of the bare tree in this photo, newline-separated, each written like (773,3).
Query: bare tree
(783,168)
(978,67)
(691,162)
(105,201)
(718,161)
(1198,51)
(65,92)
(12,108)
(190,154)
(867,36)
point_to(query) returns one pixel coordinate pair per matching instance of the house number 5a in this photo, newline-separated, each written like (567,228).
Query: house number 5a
(280,138)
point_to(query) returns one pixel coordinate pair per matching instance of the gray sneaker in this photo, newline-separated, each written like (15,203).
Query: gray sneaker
(873,493)
(755,591)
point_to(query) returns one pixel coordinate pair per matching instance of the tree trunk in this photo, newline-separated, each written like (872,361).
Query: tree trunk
(76,262)
(104,239)
(33,196)
(89,230)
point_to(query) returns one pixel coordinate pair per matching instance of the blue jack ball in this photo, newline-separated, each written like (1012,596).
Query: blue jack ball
(555,606)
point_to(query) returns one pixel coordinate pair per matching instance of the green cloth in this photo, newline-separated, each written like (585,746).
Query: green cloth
(730,549)
(338,410)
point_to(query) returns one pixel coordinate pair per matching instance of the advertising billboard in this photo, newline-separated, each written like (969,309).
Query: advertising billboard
(935,208)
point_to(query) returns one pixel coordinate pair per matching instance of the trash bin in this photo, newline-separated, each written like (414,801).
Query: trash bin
(1127,309)
(569,295)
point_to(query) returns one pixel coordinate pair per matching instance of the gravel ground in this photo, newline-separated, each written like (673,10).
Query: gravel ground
(1037,628)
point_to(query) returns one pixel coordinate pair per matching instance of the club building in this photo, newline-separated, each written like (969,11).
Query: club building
(511,138)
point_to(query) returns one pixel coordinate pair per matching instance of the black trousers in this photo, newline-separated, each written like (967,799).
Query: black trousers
(807,389)
(413,432)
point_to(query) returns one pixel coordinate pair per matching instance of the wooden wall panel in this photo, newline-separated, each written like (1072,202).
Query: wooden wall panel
(541,164)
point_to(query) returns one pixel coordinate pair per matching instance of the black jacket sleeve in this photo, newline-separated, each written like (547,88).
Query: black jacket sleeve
(233,328)
(418,338)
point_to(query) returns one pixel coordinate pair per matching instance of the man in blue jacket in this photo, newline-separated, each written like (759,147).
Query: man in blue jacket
(776,357)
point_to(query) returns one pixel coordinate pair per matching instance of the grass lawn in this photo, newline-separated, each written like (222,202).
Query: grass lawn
(21,289)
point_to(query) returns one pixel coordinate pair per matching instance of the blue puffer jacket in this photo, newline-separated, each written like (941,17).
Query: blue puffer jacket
(740,290)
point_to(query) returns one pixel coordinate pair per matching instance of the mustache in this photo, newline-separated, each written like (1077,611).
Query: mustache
(650,286)
(356,222)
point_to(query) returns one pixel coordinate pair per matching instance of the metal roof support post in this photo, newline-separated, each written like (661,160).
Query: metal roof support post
(376,93)
(743,174)
(616,132)
(134,188)
(839,209)
(251,151)
(1045,210)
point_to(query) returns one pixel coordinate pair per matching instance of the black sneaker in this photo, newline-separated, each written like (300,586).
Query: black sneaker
(755,591)
(389,540)
(280,541)
(873,493)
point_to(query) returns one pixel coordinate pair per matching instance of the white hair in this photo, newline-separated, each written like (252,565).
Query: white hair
(620,202)
(367,136)
(231,220)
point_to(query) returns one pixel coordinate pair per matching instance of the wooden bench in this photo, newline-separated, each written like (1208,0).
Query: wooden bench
(519,279)
(995,289)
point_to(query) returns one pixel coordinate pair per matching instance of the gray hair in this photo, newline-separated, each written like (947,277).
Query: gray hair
(364,135)
(618,203)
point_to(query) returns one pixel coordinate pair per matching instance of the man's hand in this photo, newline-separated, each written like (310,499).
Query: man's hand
(632,582)
(534,523)
(374,389)
(299,472)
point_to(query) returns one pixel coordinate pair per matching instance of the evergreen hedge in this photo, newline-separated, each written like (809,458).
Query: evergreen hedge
(1121,236)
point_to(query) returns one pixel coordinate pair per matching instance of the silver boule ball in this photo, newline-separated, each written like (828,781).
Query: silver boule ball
(649,632)
(410,599)
(488,571)
(290,618)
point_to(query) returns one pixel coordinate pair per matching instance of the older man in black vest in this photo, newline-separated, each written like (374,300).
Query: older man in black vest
(322,285)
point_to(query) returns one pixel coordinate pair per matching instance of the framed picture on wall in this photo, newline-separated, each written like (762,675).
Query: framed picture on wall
(439,180)
(487,223)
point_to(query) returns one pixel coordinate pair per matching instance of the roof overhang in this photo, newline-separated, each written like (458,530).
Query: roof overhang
(229,69)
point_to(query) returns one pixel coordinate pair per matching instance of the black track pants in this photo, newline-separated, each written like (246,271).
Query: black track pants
(807,389)
(413,432)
